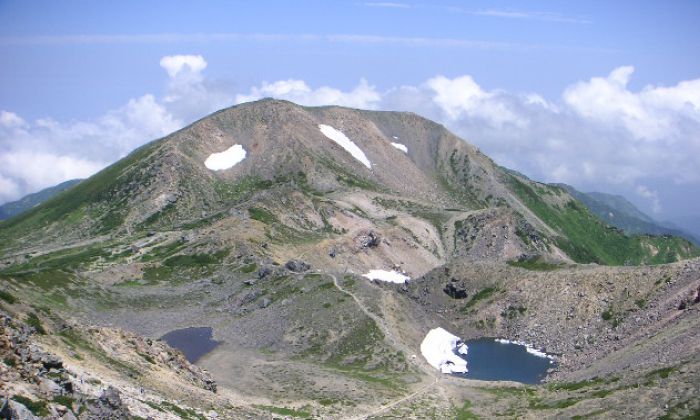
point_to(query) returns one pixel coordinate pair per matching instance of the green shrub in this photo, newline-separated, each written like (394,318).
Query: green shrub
(34,321)
(7,297)
(38,408)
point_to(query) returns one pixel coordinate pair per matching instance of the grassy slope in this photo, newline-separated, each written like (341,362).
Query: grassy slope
(72,205)
(586,239)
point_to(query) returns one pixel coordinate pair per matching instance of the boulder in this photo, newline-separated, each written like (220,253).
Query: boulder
(10,409)
(297,266)
(456,289)
(369,239)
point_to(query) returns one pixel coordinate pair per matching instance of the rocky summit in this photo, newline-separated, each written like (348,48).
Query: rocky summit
(321,246)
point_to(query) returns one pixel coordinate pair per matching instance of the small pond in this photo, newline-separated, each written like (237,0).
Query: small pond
(490,360)
(193,342)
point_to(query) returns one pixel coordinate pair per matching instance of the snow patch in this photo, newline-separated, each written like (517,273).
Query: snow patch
(226,159)
(438,348)
(388,276)
(343,141)
(400,146)
(528,347)
(395,137)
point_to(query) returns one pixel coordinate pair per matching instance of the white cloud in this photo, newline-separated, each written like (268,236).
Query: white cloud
(543,16)
(654,113)
(651,195)
(9,190)
(462,97)
(36,168)
(11,120)
(176,64)
(362,96)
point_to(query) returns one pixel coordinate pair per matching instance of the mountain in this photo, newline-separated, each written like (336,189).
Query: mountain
(25,203)
(166,184)
(617,211)
(264,223)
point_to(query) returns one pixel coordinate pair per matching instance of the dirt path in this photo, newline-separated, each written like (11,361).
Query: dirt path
(388,333)
(379,321)
(400,400)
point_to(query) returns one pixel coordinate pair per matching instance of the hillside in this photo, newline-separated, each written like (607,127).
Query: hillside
(25,203)
(265,221)
(617,211)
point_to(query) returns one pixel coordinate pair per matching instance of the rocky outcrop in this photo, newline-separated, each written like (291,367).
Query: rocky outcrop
(367,239)
(297,266)
(456,289)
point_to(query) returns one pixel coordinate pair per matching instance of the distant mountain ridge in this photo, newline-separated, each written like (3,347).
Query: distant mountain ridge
(25,203)
(617,211)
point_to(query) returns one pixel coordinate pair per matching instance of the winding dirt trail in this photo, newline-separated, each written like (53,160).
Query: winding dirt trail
(388,333)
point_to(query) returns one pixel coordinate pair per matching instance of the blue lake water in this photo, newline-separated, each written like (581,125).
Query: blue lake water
(488,360)
(193,342)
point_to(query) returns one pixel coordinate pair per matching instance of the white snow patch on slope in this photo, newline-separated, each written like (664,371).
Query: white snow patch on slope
(226,159)
(388,276)
(400,146)
(438,348)
(343,141)
(528,347)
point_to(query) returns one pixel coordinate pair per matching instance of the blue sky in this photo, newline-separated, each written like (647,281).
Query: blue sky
(72,68)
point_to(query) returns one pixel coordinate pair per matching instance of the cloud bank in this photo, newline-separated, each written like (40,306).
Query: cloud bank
(598,133)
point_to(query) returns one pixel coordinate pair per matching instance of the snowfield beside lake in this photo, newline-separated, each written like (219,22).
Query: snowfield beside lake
(343,141)
(388,276)
(528,347)
(438,348)
(226,159)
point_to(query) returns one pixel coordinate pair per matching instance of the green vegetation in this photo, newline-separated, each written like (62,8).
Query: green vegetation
(66,259)
(7,297)
(187,414)
(611,316)
(464,413)
(241,190)
(533,264)
(195,260)
(34,322)
(558,404)
(574,386)
(262,215)
(76,342)
(587,240)
(64,400)
(247,269)
(358,344)
(512,312)
(283,411)
(38,408)
(479,296)
(661,373)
